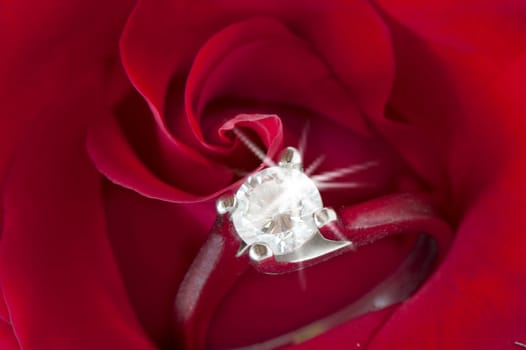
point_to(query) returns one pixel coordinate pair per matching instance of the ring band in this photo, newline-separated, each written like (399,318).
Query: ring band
(218,267)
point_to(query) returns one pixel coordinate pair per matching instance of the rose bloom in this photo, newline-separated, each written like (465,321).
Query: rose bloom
(117,136)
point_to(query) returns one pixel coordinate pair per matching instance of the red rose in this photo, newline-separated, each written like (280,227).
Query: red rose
(113,154)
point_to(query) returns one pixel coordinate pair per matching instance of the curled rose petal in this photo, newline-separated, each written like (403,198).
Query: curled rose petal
(181,131)
(111,156)
(482,270)
(479,286)
(154,243)
(57,267)
(276,77)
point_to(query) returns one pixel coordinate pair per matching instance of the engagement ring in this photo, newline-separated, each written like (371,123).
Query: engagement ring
(275,223)
(278,216)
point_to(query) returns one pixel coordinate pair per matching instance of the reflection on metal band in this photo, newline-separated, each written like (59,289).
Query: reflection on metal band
(396,288)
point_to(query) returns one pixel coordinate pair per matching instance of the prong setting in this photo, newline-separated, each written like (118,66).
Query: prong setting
(325,216)
(259,252)
(290,158)
(279,218)
(225,204)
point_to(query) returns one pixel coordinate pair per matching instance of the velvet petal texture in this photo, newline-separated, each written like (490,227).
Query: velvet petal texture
(475,299)
(100,166)
(228,64)
(46,49)
(480,287)
(224,60)
(59,276)
(53,55)
(154,243)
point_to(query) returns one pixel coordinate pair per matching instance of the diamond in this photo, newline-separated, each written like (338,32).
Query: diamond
(276,207)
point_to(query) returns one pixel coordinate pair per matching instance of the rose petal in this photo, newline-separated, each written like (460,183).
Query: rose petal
(58,273)
(443,118)
(191,179)
(171,41)
(350,335)
(43,46)
(262,61)
(175,147)
(8,339)
(476,299)
(114,157)
(488,33)
(290,304)
(154,243)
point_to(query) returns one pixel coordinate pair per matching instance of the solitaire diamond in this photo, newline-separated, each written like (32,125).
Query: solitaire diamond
(275,206)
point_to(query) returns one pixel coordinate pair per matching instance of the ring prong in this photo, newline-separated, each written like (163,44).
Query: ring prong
(324,216)
(225,204)
(259,252)
(290,158)
(243,247)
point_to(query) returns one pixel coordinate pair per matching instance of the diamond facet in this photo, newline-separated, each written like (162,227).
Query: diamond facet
(275,206)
